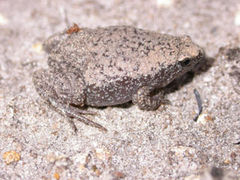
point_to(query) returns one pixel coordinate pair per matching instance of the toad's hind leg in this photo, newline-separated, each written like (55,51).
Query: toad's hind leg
(73,112)
(146,101)
(49,87)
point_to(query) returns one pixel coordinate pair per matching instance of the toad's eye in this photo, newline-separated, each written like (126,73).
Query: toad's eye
(185,62)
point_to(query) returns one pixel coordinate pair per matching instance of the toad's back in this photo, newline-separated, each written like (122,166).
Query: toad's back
(121,51)
(118,51)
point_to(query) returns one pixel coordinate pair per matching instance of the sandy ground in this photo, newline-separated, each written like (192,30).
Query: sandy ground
(36,142)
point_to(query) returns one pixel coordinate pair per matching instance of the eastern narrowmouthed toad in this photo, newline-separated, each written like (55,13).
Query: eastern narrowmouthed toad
(110,66)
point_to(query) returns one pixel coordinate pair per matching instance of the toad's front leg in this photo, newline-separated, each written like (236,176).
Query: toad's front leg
(61,91)
(147,100)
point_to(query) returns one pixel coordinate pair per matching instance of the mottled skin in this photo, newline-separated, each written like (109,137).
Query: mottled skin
(110,66)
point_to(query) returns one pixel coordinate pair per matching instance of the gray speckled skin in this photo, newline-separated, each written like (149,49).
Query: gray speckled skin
(110,66)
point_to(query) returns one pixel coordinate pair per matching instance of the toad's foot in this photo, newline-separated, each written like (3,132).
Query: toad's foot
(146,100)
(73,112)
